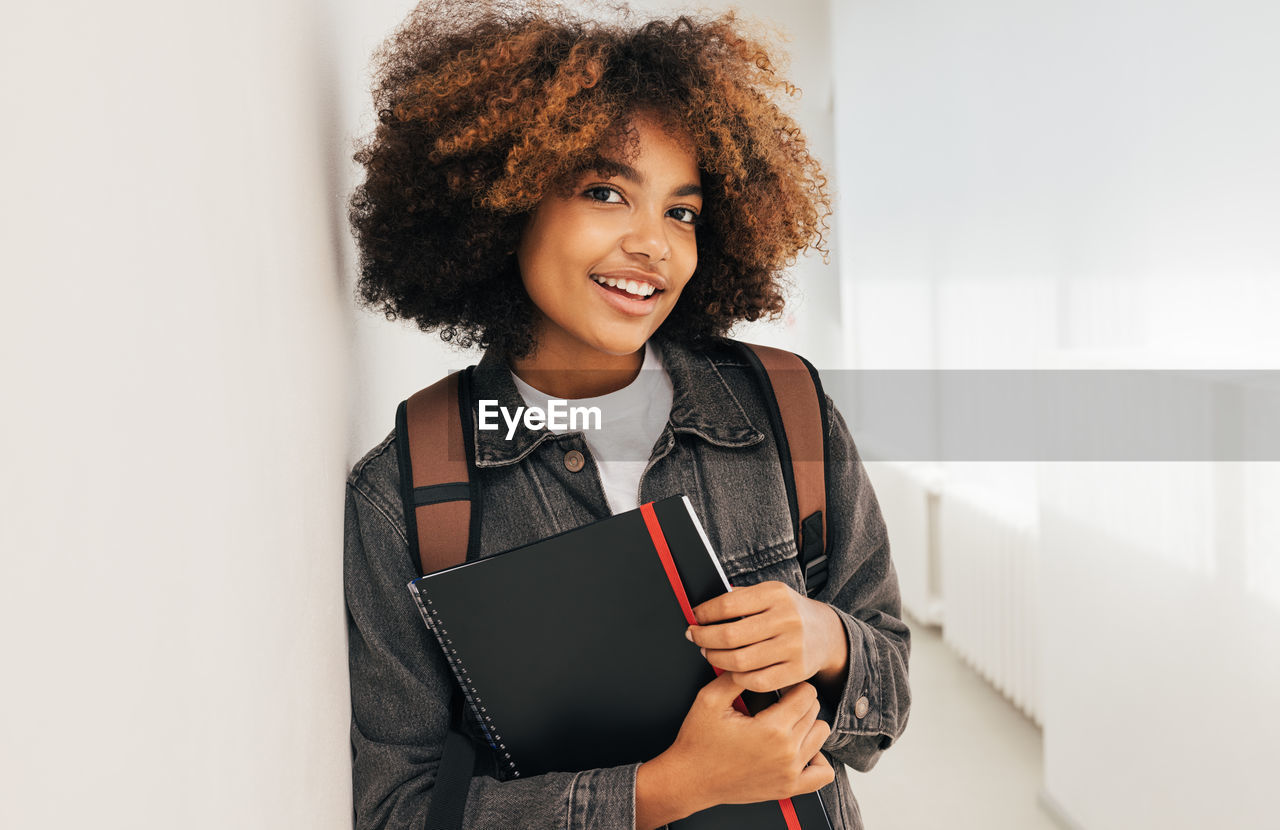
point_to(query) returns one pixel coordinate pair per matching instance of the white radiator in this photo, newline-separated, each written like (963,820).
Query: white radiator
(908,496)
(988,552)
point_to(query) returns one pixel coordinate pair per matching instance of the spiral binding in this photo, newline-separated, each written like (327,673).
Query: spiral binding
(432,618)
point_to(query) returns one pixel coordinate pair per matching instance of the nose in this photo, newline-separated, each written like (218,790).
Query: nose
(648,235)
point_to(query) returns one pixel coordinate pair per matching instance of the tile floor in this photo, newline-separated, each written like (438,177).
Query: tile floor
(968,760)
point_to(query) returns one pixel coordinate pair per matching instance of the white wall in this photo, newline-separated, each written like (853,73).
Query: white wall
(1094,185)
(1160,674)
(176,371)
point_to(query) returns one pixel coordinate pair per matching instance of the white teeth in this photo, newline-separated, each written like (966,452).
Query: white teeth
(640,289)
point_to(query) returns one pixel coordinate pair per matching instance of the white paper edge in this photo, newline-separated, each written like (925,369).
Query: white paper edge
(715,560)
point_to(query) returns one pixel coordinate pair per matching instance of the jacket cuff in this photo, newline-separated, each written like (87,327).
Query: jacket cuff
(604,799)
(856,712)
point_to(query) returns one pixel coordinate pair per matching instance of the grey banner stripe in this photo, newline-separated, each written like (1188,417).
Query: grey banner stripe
(1061,415)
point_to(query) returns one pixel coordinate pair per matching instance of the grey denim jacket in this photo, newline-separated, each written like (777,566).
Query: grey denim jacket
(718,449)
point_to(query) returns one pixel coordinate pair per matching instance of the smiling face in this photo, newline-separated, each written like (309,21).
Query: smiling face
(605,265)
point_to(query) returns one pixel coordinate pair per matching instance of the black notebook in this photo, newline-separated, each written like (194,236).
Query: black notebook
(572,655)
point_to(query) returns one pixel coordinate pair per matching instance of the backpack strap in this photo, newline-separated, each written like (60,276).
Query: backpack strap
(794,397)
(441,497)
(442,516)
(453,776)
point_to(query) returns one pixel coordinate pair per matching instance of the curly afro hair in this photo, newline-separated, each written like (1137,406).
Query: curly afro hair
(485,107)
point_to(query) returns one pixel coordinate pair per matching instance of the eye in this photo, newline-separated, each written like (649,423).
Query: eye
(598,188)
(693,217)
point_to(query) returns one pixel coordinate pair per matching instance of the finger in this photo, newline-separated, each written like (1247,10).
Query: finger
(806,721)
(740,602)
(721,692)
(734,634)
(816,775)
(800,696)
(746,659)
(773,677)
(792,706)
(817,735)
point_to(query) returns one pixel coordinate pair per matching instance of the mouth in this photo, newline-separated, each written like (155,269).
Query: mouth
(635,290)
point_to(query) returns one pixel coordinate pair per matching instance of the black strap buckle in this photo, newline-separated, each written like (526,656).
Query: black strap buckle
(813,555)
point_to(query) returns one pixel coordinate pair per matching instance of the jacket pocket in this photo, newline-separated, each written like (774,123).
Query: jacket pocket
(751,565)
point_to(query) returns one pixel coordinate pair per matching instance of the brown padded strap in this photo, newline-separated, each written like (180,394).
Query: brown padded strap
(802,422)
(438,456)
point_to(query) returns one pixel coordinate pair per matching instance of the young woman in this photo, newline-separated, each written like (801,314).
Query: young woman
(596,205)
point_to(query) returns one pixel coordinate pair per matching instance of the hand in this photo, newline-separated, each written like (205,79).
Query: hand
(783,637)
(735,758)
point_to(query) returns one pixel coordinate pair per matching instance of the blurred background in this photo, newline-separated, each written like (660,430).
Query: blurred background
(1034,186)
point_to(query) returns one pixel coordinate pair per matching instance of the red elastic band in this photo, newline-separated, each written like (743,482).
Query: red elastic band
(668,564)
(677,587)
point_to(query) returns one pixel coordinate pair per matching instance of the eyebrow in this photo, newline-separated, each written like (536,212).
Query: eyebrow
(612,167)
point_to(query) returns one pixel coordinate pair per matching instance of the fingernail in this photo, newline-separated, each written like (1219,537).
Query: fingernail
(704,651)
(688,634)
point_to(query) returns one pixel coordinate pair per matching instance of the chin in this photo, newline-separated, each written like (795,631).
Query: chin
(622,348)
(620,344)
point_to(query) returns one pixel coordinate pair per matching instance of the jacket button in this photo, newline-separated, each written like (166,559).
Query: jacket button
(573,461)
(860,708)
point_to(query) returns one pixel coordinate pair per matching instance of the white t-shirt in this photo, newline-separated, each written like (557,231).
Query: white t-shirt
(631,419)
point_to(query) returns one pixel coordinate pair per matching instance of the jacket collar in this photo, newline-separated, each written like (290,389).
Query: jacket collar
(703,405)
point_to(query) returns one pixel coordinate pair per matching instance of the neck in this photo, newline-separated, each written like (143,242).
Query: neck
(577,376)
